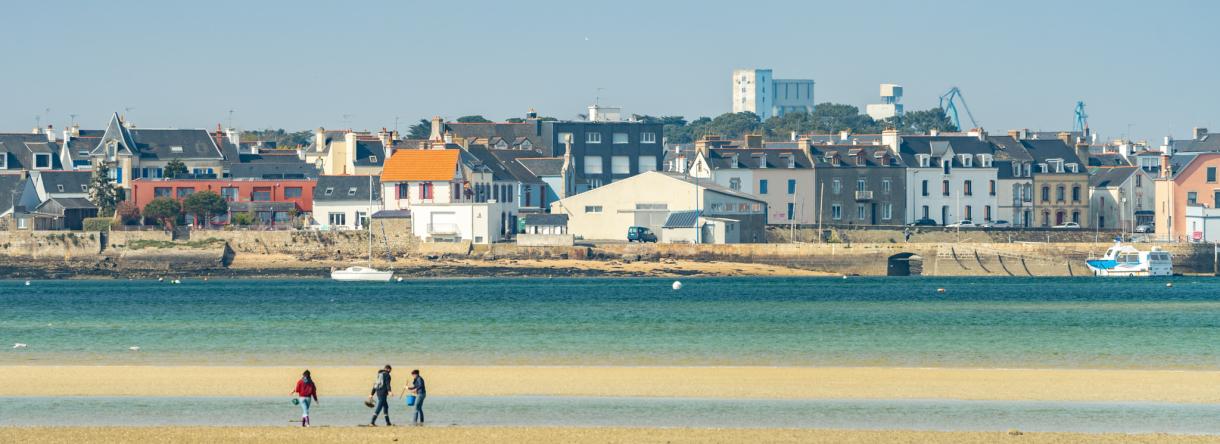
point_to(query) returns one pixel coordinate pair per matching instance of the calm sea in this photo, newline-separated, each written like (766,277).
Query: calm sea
(975,322)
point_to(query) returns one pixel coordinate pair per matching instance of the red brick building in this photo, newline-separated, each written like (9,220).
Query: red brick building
(271,200)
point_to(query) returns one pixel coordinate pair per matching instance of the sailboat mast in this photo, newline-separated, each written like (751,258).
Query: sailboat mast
(370,219)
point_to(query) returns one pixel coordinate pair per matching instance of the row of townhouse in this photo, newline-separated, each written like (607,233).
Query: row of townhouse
(892,179)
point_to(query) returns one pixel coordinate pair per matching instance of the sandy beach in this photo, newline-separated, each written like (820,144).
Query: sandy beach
(297,435)
(681,382)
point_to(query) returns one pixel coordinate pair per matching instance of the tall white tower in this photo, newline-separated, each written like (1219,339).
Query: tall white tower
(756,91)
(889,106)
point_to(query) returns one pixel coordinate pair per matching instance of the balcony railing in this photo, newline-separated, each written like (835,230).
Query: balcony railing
(864,195)
(442,229)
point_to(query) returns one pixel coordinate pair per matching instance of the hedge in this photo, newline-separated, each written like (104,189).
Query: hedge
(97,223)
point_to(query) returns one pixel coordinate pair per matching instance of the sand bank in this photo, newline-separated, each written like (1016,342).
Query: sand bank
(297,435)
(684,382)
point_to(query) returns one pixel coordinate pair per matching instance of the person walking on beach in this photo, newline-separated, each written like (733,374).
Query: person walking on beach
(306,390)
(381,388)
(907,232)
(417,387)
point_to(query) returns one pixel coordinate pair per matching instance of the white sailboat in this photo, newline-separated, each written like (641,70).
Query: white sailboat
(358,273)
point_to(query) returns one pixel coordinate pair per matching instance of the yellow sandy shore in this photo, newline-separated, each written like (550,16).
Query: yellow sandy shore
(712,382)
(297,435)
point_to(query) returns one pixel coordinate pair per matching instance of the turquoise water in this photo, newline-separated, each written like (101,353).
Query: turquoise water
(534,411)
(976,322)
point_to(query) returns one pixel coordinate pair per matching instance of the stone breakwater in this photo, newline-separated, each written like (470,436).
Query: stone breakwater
(54,254)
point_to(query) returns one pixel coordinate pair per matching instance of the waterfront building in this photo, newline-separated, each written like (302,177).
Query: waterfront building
(859,184)
(1061,181)
(350,152)
(1187,180)
(606,149)
(781,175)
(1121,196)
(1014,180)
(142,153)
(272,201)
(756,91)
(342,202)
(647,200)
(427,176)
(950,178)
(477,222)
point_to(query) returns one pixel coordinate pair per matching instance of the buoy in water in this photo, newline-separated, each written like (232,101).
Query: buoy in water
(399,279)
(160,279)
(27,282)
(844,277)
(940,290)
(677,285)
(18,345)
(134,349)
(1167,285)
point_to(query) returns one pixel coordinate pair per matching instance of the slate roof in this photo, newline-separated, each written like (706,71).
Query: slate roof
(392,214)
(510,160)
(936,146)
(22,146)
(1008,148)
(159,144)
(324,141)
(1041,150)
(369,153)
(755,158)
(343,187)
(416,165)
(85,142)
(681,219)
(1004,169)
(273,171)
(1210,142)
(673,150)
(1108,160)
(279,156)
(509,132)
(70,203)
(72,181)
(10,182)
(1179,161)
(1112,176)
(543,166)
(546,220)
(115,131)
(846,161)
(490,162)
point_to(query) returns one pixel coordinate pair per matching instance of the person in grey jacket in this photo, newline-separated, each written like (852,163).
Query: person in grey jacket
(381,388)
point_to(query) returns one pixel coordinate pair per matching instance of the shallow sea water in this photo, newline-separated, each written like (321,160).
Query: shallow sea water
(977,322)
(533,411)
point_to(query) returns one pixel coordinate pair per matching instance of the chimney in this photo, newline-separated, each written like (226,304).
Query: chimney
(385,138)
(804,145)
(75,130)
(67,135)
(436,128)
(531,114)
(349,143)
(934,132)
(319,140)
(1200,132)
(890,138)
(448,137)
(843,135)
(50,134)
(794,136)
(234,137)
(1024,133)
(24,174)
(754,141)
(1065,137)
(1016,134)
(982,133)
(1082,151)
(1164,165)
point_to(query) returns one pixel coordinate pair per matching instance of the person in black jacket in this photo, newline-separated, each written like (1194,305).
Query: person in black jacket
(381,388)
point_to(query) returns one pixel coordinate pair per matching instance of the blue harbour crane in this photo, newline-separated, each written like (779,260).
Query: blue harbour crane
(1082,119)
(946,103)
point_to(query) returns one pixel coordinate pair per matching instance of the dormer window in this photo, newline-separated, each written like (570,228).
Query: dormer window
(1056,165)
(925,161)
(860,159)
(734,161)
(761,159)
(791,161)
(1029,169)
(373,159)
(351,191)
(42,161)
(1042,166)
(1073,168)
(1016,169)
(967,161)
(834,160)
(501,145)
(61,187)
(112,149)
(526,145)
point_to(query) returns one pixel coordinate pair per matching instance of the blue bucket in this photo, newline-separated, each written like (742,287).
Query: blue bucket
(411,400)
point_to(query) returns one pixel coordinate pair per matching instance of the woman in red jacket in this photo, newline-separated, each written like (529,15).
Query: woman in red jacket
(306,390)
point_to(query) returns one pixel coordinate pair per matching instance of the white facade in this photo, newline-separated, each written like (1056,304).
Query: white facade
(341,215)
(889,106)
(481,223)
(964,193)
(755,90)
(1116,204)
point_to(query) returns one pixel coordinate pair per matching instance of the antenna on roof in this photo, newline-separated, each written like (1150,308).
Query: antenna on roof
(230,117)
(37,121)
(73,116)
(598,98)
(345,121)
(47,114)
(396,119)
(127,112)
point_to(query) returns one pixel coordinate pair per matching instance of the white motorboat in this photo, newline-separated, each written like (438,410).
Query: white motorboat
(358,273)
(1125,260)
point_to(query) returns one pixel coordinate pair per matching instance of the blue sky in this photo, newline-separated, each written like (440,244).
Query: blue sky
(301,65)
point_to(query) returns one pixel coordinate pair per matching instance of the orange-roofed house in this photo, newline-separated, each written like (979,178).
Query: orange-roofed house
(423,176)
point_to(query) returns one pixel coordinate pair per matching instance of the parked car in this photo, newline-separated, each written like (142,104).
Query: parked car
(1146,228)
(962,224)
(640,234)
(923,222)
(1068,225)
(997,224)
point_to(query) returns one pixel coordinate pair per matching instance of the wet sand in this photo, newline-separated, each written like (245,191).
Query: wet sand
(682,382)
(298,435)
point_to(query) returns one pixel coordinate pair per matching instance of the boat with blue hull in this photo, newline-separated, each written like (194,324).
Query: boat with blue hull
(1127,261)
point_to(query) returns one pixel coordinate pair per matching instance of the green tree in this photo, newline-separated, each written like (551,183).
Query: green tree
(204,204)
(515,120)
(174,167)
(128,213)
(420,131)
(921,122)
(473,119)
(165,209)
(282,139)
(241,219)
(103,192)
